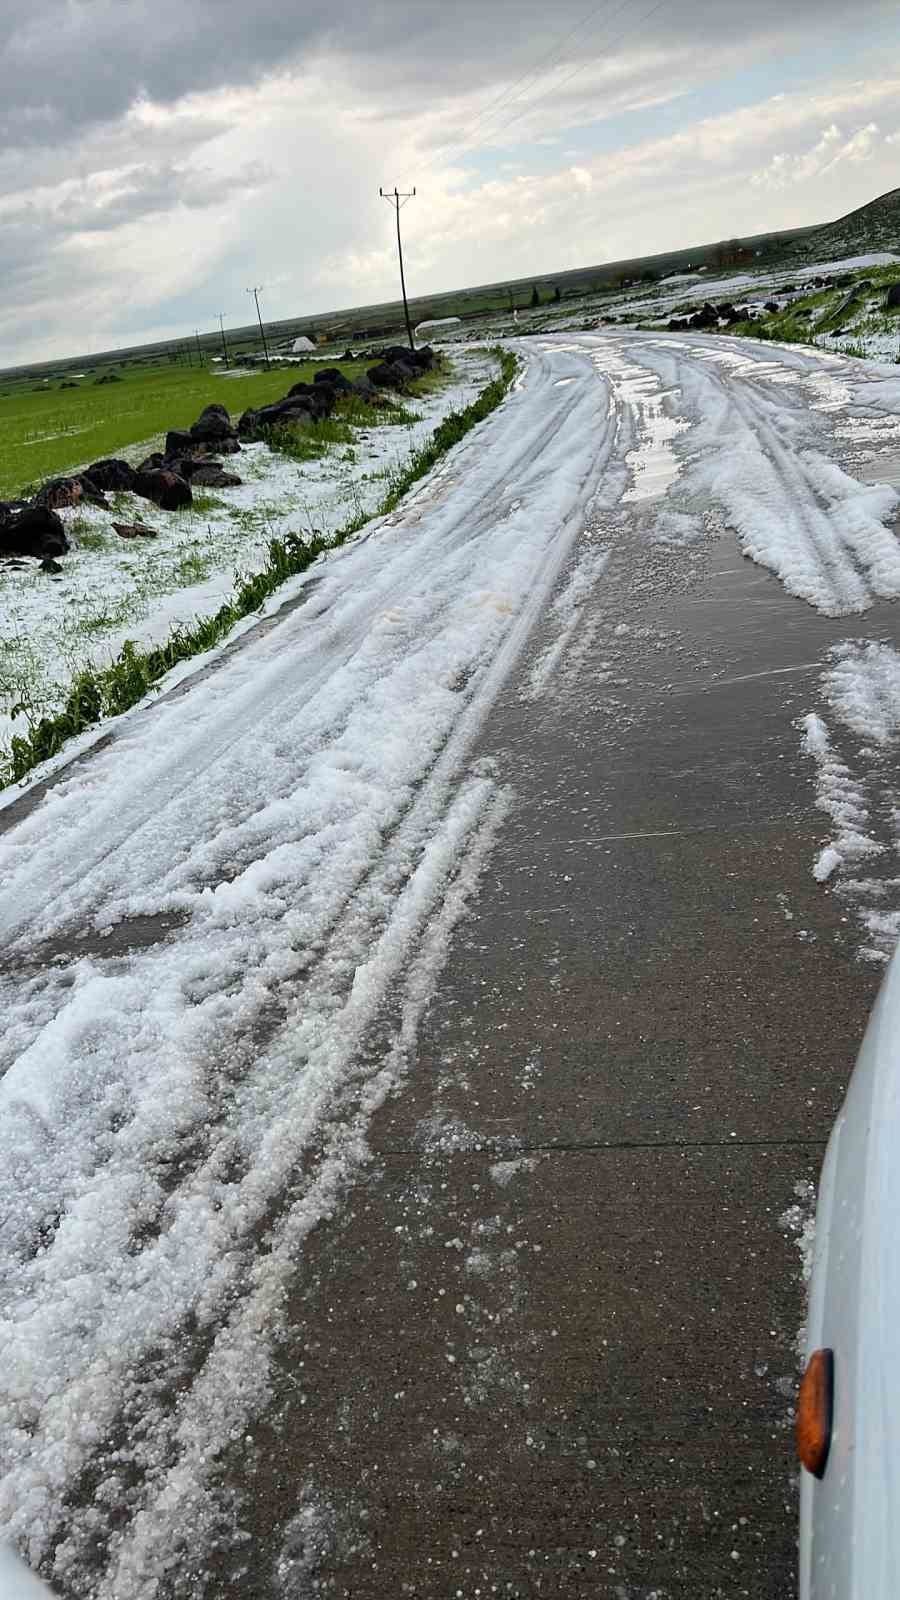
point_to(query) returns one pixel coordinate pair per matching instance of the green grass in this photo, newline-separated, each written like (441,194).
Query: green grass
(203,503)
(194,567)
(87,535)
(824,311)
(97,693)
(50,432)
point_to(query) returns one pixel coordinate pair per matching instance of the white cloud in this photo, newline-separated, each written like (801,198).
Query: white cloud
(830,150)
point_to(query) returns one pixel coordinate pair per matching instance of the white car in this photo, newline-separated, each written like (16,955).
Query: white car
(17,1582)
(848,1413)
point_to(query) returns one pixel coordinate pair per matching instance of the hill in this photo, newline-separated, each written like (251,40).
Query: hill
(872,227)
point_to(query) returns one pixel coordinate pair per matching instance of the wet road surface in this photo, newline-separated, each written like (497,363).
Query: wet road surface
(553,1348)
(526,1271)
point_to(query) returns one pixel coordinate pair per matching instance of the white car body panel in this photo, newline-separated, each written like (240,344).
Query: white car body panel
(850,1520)
(17,1582)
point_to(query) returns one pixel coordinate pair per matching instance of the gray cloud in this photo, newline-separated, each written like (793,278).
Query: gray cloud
(70,64)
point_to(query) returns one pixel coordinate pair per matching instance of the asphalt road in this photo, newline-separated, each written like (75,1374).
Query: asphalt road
(540,1337)
(553,1347)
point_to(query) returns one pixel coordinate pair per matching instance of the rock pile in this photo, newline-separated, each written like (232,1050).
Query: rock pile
(307,403)
(708,316)
(399,366)
(191,456)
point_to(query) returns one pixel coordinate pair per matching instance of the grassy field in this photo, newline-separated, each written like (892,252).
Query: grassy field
(48,431)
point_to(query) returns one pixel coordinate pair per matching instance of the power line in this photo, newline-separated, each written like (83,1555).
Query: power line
(555,88)
(526,77)
(398,201)
(255,293)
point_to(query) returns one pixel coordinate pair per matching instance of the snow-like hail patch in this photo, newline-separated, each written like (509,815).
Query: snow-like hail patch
(760,450)
(863,689)
(200,930)
(567,617)
(857,785)
(842,796)
(798,1222)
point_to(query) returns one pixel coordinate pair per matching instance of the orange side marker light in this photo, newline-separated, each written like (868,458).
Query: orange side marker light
(815,1407)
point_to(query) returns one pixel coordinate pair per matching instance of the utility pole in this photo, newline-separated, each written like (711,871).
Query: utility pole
(199,347)
(398,201)
(222,331)
(255,294)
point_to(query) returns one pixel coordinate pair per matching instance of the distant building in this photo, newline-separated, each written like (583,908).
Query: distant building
(302,344)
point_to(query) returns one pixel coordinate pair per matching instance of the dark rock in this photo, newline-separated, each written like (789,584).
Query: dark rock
(166,489)
(209,475)
(892,303)
(318,398)
(49,565)
(364,386)
(390,375)
(31,531)
(179,442)
(303,404)
(334,377)
(771,305)
(92,492)
(249,424)
(134,530)
(213,423)
(60,493)
(111,474)
(152,463)
(227,447)
(291,417)
(706,317)
(290,410)
(182,466)
(348,356)
(422,359)
(108,377)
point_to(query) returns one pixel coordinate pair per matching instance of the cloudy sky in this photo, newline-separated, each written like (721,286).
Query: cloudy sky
(159,157)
